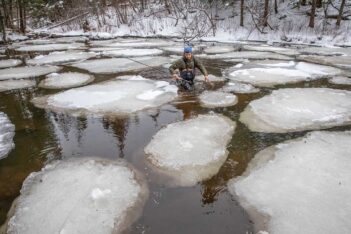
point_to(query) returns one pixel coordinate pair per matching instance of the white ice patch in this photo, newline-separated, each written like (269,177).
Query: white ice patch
(326,51)
(131,43)
(10,63)
(132,52)
(26,72)
(245,55)
(50,47)
(211,78)
(7,131)
(300,186)
(290,110)
(337,61)
(82,196)
(340,80)
(236,87)
(61,57)
(315,69)
(219,49)
(114,97)
(16,84)
(191,151)
(275,63)
(115,65)
(217,99)
(280,50)
(65,80)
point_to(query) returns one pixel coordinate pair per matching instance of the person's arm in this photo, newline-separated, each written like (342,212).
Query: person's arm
(172,69)
(202,68)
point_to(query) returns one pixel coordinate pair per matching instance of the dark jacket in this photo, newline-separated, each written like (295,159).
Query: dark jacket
(184,64)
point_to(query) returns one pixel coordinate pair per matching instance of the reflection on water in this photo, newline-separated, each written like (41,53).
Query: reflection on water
(43,136)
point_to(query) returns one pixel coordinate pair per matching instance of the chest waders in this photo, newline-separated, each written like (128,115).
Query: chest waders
(187,81)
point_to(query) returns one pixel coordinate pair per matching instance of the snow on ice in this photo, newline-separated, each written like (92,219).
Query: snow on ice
(61,57)
(50,47)
(115,65)
(26,72)
(115,97)
(65,80)
(83,196)
(192,150)
(7,131)
(217,99)
(16,84)
(10,63)
(300,186)
(131,52)
(290,110)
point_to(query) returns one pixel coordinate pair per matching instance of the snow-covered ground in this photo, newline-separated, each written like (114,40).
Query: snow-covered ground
(290,110)
(191,151)
(79,196)
(116,97)
(299,186)
(7,131)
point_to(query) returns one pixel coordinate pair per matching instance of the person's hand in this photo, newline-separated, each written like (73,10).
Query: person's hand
(206,79)
(175,77)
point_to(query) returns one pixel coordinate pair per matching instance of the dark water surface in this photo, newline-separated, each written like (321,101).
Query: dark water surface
(42,136)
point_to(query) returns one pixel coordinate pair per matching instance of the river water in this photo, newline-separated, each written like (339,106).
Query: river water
(43,136)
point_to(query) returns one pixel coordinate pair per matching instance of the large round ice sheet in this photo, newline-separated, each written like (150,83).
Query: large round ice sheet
(193,150)
(26,72)
(217,99)
(65,80)
(78,196)
(300,186)
(290,110)
(7,131)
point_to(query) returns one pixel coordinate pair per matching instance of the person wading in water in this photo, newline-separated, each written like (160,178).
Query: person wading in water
(186,67)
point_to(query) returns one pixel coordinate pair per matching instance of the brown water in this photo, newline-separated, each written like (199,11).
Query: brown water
(42,136)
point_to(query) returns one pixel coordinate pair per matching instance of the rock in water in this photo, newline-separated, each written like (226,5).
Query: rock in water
(191,151)
(79,196)
(290,110)
(300,186)
(65,80)
(7,131)
(115,97)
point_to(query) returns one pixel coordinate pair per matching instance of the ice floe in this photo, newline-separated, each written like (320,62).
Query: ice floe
(290,110)
(280,50)
(299,186)
(10,63)
(192,150)
(237,87)
(16,84)
(132,52)
(217,99)
(340,80)
(270,76)
(176,49)
(219,49)
(61,57)
(211,78)
(274,63)
(7,131)
(326,51)
(114,65)
(26,72)
(131,43)
(337,61)
(65,80)
(83,196)
(50,47)
(116,97)
(245,55)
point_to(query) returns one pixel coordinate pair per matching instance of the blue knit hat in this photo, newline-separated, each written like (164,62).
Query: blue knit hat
(188,49)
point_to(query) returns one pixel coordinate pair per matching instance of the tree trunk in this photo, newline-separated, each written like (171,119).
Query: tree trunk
(313,11)
(303,2)
(319,3)
(265,14)
(2,25)
(242,13)
(338,21)
(275,7)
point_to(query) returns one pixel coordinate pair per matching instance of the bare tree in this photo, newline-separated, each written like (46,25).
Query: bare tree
(265,14)
(242,13)
(313,12)
(319,3)
(2,25)
(341,9)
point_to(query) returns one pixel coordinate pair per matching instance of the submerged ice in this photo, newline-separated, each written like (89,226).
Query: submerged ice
(115,97)
(192,150)
(300,186)
(79,196)
(7,131)
(65,80)
(289,110)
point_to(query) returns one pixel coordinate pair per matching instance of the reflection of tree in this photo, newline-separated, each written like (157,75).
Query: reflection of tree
(120,128)
(82,124)
(64,123)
